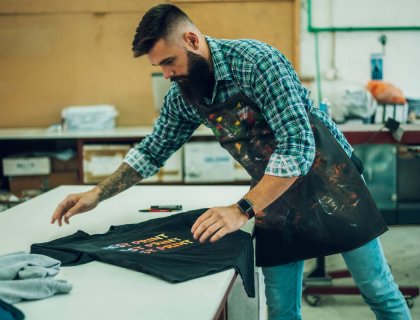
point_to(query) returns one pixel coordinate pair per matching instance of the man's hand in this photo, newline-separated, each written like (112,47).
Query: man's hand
(75,204)
(123,178)
(215,223)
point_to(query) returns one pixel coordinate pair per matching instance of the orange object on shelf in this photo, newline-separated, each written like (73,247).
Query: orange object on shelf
(385,92)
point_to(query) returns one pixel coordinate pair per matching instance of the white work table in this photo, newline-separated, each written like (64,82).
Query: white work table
(103,291)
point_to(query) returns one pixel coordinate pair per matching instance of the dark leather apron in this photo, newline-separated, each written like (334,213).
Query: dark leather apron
(328,211)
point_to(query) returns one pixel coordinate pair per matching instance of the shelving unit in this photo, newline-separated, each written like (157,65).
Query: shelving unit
(15,141)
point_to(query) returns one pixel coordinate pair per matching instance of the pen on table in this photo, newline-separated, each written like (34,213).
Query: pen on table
(163,208)
(155,210)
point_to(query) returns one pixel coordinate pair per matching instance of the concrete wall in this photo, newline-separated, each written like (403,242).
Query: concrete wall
(353,50)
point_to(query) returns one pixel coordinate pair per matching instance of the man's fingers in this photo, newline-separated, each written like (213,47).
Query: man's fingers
(219,234)
(200,220)
(74,204)
(68,215)
(76,209)
(215,223)
(58,214)
(62,209)
(214,228)
(203,227)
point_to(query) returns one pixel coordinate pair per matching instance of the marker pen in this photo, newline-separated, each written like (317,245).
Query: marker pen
(155,210)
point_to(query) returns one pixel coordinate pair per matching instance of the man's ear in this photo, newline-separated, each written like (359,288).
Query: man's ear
(191,40)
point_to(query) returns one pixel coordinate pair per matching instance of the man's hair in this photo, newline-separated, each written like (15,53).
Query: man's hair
(159,22)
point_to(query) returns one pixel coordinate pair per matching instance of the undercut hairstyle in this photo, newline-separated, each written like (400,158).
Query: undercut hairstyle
(160,22)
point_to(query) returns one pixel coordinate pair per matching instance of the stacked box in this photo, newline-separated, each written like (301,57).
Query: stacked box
(170,172)
(207,162)
(100,161)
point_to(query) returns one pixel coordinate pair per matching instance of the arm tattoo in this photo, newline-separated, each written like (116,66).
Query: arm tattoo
(123,178)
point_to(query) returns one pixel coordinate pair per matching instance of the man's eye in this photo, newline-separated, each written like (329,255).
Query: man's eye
(169,62)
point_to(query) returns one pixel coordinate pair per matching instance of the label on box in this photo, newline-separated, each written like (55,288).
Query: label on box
(207,162)
(24,166)
(104,165)
(100,161)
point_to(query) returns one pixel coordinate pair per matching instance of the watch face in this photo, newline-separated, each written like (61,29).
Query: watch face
(246,207)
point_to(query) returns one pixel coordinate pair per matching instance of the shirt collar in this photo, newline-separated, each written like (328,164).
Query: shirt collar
(221,67)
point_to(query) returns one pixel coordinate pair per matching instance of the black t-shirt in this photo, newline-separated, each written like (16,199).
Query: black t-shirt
(162,247)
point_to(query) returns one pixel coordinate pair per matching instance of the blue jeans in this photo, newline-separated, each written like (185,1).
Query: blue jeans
(369,269)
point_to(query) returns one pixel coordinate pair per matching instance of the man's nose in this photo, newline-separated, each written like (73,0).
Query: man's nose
(167,73)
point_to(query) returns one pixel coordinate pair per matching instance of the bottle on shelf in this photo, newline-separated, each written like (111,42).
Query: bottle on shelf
(325,106)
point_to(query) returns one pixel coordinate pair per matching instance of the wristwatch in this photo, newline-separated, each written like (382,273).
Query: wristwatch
(246,207)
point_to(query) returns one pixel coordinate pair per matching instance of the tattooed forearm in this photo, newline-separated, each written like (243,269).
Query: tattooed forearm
(120,180)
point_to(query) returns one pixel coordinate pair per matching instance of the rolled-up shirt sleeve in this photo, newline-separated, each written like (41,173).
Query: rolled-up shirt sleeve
(277,91)
(170,132)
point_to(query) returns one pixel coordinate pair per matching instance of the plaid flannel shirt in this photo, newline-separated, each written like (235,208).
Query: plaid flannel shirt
(266,77)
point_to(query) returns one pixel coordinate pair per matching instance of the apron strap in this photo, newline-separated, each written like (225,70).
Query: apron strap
(357,162)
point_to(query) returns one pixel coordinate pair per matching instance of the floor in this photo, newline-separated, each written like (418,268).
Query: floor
(401,246)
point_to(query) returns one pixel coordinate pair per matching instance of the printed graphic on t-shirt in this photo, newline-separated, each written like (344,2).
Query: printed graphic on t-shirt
(158,243)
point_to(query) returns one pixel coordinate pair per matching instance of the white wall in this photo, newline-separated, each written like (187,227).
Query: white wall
(401,63)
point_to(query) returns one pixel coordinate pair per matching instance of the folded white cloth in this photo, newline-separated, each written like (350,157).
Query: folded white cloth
(22,265)
(25,276)
(13,291)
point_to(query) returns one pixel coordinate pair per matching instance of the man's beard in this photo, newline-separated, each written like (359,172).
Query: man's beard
(199,81)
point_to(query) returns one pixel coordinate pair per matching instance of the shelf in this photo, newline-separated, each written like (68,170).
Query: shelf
(355,133)
(40,139)
(117,133)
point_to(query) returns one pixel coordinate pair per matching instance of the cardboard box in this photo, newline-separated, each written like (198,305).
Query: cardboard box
(19,185)
(170,172)
(23,166)
(397,112)
(65,165)
(100,161)
(207,162)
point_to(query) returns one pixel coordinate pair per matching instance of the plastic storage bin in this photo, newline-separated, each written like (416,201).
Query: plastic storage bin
(87,118)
